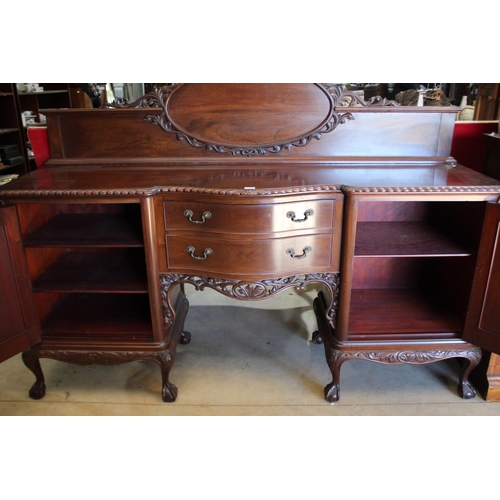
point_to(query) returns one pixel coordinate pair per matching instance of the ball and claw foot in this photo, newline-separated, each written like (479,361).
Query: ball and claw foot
(185,338)
(332,391)
(37,391)
(169,393)
(466,391)
(317,338)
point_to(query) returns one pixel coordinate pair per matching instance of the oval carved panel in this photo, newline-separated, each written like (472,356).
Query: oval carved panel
(249,115)
(249,118)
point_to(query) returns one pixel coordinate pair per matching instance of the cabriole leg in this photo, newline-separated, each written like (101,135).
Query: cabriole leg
(169,390)
(465,389)
(334,359)
(32,361)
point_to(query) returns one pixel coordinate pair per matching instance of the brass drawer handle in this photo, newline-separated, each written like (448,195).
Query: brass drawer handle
(204,216)
(307,213)
(206,253)
(305,250)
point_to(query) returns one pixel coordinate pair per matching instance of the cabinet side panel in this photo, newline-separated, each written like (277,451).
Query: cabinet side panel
(483,317)
(19,326)
(491,305)
(10,304)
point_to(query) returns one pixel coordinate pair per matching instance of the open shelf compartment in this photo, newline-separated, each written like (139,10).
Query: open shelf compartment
(87,229)
(409,238)
(400,314)
(118,270)
(124,316)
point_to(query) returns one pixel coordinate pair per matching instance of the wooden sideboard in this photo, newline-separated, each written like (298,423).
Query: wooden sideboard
(249,190)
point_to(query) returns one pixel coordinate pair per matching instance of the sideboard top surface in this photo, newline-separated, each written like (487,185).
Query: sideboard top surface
(103,180)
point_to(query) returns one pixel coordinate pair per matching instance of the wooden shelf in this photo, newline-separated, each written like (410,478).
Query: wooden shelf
(395,313)
(8,130)
(406,239)
(110,315)
(103,271)
(6,167)
(89,230)
(45,92)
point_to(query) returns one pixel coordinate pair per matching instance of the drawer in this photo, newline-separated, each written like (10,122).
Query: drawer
(282,256)
(241,219)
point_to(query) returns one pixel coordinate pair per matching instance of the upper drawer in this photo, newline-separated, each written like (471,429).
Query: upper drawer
(268,218)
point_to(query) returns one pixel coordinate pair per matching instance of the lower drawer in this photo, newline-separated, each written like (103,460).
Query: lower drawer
(282,256)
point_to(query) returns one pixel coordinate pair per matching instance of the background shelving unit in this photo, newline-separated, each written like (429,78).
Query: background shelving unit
(53,96)
(11,130)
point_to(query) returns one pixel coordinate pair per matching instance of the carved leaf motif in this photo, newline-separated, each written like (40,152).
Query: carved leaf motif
(344,98)
(248,290)
(104,357)
(405,357)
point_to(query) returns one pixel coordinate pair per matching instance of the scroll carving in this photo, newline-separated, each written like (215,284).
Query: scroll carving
(406,357)
(335,358)
(249,290)
(337,95)
(104,357)
(164,358)
(344,98)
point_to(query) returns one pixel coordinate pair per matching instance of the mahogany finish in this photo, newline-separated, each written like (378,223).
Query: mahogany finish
(251,190)
(231,117)
(407,238)
(491,162)
(250,257)
(247,219)
(483,327)
(20,327)
(487,376)
(96,271)
(90,230)
(94,315)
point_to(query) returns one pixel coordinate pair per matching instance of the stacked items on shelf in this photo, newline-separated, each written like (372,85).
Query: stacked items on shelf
(10,154)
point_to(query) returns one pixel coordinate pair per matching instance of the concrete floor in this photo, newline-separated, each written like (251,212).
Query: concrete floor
(244,359)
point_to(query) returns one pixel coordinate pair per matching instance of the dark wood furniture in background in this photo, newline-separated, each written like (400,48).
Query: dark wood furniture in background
(11,130)
(491,165)
(53,96)
(468,145)
(79,99)
(252,189)
(487,104)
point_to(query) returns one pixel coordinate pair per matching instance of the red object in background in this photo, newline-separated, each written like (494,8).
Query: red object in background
(39,144)
(468,145)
